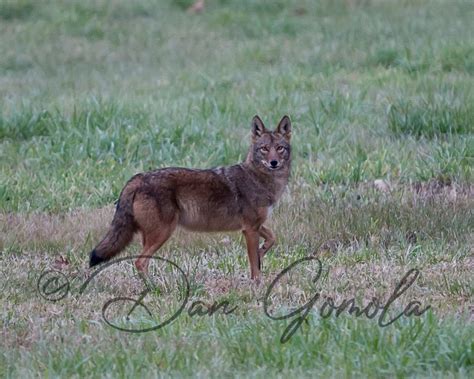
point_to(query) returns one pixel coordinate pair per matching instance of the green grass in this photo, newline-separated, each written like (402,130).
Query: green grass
(92,92)
(431,117)
(321,349)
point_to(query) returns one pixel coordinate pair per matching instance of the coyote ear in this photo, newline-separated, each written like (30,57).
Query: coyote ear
(284,127)
(257,127)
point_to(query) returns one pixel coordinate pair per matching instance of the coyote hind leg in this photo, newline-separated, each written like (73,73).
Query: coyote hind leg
(156,224)
(151,243)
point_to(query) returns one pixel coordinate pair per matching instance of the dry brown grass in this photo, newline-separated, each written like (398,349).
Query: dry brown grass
(357,262)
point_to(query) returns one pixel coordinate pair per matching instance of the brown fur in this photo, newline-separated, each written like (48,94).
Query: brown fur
(238,197)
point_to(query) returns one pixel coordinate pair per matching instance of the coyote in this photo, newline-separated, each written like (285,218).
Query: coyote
(232,198)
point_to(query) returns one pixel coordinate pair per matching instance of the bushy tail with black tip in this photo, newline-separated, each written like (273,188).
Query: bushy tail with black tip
(121,230)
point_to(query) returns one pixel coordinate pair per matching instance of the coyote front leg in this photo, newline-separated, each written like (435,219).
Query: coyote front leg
(251,238)
(269,240)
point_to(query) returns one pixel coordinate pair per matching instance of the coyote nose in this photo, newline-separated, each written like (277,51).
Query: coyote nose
(274,163)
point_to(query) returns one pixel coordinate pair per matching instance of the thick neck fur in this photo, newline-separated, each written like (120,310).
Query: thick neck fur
(272,182)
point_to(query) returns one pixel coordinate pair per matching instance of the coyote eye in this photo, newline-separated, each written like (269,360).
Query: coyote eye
(264,149)
(280,149)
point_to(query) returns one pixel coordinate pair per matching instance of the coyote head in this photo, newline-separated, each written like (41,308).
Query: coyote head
(270,151)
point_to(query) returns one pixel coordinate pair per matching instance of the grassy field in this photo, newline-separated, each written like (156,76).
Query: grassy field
(381,95)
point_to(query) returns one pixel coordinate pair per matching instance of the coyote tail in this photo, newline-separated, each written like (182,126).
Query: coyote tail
(121,230)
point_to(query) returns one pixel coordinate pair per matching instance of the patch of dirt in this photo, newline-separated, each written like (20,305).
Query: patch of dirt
(443,189)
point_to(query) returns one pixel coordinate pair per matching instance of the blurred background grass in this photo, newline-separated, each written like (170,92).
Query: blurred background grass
(94,91)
